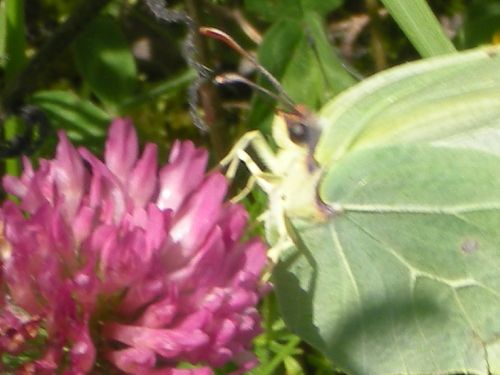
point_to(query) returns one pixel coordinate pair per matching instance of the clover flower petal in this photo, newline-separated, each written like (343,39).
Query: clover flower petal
(120,263)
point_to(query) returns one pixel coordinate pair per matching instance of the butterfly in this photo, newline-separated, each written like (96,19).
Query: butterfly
(374,203)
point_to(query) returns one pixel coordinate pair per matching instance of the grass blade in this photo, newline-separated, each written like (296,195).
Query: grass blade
(15,43)
(420,26)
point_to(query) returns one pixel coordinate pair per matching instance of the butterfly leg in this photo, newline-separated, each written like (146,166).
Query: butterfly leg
(239,155)
(267,178)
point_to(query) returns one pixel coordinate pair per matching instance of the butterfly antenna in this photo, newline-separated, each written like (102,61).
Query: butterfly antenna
(225,38)
(223,79)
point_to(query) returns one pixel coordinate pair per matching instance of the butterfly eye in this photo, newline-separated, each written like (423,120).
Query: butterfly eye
(298,131)
(302,127)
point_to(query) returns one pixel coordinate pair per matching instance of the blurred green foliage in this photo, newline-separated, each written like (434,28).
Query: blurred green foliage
(119,61)
(124,62)
(274,10)
(105,62)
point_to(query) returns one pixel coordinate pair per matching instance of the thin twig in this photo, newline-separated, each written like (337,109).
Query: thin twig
(195,52)
(209,96)
(162,13)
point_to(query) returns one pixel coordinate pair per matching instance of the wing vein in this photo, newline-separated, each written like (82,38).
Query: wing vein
(416,209)
(345,261)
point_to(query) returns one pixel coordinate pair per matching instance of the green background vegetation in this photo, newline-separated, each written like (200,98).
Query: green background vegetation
(84,62)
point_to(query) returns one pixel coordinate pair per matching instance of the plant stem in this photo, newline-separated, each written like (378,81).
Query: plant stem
(376,38)
(209,96)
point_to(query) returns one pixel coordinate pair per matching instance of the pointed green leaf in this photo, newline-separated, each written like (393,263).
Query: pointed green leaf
(404,275)
(297,52)
(335,76)
(84,122)
(105,61)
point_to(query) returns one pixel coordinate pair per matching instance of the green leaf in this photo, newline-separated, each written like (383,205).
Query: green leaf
(452,100)
(482,22)
(163,89)
(297,52)
(404,275)
(334,76)
(84,122)
(420,26)
(3,34)
(11,128)
(15,39)
(276,9)
(105,61)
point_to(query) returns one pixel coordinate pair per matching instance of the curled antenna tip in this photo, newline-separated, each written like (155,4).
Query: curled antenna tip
(222,79)
(214,33)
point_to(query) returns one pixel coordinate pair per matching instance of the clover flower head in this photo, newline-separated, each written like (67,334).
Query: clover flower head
(118,266)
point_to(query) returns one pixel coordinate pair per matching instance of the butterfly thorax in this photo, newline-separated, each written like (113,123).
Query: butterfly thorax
(295,177)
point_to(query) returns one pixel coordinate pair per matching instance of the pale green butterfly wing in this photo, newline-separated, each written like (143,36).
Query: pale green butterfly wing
(403,276)
(445,100)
